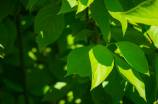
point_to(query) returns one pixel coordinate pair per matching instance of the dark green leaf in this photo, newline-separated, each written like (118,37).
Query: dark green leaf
(82,35)
(48,25)
(6,6)
(115,86)
(100,15)
(56,92)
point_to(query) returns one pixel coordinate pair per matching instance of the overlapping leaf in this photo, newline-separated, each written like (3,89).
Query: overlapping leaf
(48,25)
(68,6)
(100,15)
(134,56)
(131,75)
(115,86)
(78,62)
(102,63)
(153,33)
(83,4)
(114,7)
(145,13)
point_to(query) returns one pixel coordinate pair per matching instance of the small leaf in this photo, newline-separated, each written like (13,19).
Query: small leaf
(56,92)
(78,62)
(153,33)
(82,35)
(31,3)
(145,13)
(131,75)
(6,6)
(3,36)
(102,63)
(100,15)
(134,56)
(83,4)
(114,7)
(48,25)
(68,6)
(12,33)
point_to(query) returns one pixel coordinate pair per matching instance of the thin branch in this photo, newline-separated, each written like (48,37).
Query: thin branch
(88,26)
(95,33)
(22,60)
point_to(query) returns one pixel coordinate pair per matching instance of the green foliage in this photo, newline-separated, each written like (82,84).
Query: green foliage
(78,52)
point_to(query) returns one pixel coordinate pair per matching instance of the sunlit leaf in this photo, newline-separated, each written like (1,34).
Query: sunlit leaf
(54,94)
(131,75)
(100,15)
(134,56)
(102,63)
(114,7)
(145,13)
(78,62)
(83,4)
(153,33)
(48,25)
(68,6)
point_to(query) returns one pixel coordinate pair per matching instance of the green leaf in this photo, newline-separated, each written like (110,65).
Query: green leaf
(83,4)
(145,13)
(129,74)
(3,36)
(134,56)
(115,86)
(31,3)
(131,35)
(7,98)
(68,6)
(153,33)
(114,7)
(21,100)
(102,63)
(99,96)
(100,15)
(82,35)
(78,62)
(156,68)
(12,33)
(56,92)
(48,25)
(12,86)
(6,6)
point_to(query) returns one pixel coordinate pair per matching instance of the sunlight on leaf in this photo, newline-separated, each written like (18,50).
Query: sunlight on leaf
(101,63)
(145,13)
(83,4)
(134,56)
(60,85)
(129,74)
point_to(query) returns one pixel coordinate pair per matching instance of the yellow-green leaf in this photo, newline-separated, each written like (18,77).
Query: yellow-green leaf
(129,74)
(102,63)
(83,4)
(145,13)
